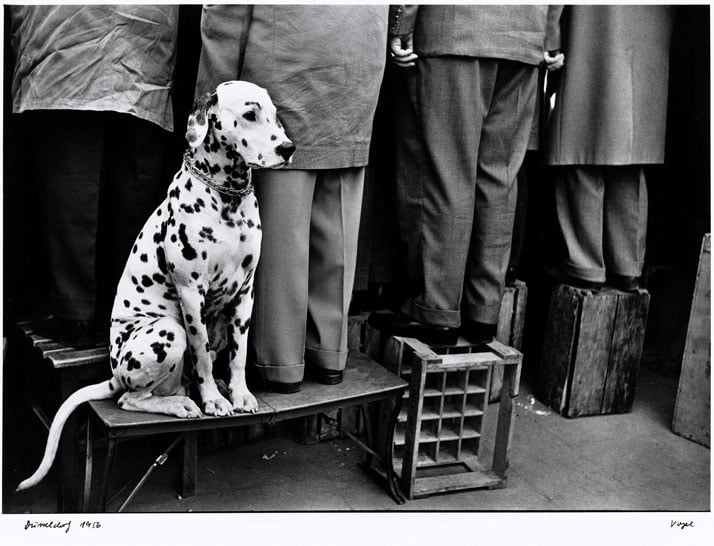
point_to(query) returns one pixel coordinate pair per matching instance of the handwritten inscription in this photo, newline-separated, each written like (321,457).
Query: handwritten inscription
(61,525)
(681,524)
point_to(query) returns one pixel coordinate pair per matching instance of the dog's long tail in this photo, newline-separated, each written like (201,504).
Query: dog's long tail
(100,391)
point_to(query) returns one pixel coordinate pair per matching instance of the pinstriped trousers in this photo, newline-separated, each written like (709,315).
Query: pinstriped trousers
(463,131)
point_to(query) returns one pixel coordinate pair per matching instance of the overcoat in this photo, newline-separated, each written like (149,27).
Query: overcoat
(322,66)
(101,58)
(611,104)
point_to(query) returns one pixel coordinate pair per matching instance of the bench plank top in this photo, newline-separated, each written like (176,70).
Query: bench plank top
(364,381)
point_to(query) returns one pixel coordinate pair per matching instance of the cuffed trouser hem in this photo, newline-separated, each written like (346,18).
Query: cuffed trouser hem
(437,317)
(488,314)
(282,374)
(591,274)
(328,360)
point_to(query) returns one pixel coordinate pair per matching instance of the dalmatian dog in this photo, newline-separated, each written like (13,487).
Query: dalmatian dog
(187,287)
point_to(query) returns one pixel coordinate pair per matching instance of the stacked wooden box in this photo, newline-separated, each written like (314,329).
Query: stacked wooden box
(592,350)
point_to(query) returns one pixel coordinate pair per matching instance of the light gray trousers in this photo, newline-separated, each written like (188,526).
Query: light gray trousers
(303,284)
(602,211)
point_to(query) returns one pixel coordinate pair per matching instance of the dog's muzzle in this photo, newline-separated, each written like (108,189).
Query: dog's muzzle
(285,150)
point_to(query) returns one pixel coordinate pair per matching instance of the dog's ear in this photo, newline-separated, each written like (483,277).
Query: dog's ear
(197,127)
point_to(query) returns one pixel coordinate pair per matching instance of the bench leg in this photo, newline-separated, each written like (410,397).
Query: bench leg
(104,486)
(88,466)
(392,482)
(189,465)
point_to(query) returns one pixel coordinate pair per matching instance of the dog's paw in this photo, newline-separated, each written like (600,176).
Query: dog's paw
(217,406)
(186,408)
(244,402)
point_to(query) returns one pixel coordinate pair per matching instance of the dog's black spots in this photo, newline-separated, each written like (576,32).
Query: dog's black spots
(145,302)
(149,331)
(132,364)
(134,249)
(158,278)
(120,404)
(194,275)
(161,260)
(247,261)
(175,192)
(144,258)
(148,384)
(140,289)
(126,303)
(146,281)
(244,142)
(159,351)
(158,212)
(170,336)
(187,250)
(172,368)
(114,364)
(187,208)
(258,227)
(162,333)
(133,280)
(192,330)
(204,255)
(235,123)
(243,237)
(160,235)
(189,318)
(162,307)
(137,310)
(173,238)
(188,185)
(207,233)
(273,137)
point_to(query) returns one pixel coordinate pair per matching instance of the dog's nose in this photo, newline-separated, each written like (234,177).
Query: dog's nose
(285,150)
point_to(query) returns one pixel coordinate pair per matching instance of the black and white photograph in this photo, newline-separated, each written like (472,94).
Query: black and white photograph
(356,273)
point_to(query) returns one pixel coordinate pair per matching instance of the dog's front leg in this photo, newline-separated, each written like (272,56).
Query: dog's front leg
(192,301)
(242,398)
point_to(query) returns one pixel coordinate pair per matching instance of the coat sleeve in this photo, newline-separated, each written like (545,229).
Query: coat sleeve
(224,32)
(552,33)
(402,19)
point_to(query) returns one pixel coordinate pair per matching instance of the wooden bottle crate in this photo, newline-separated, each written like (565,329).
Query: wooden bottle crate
(592,350)
(438,440)
(692,411)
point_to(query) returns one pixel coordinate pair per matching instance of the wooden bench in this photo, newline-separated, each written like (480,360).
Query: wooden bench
(51,372)
(364,382)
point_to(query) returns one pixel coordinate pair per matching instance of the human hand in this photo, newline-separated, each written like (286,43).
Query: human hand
(401,49)
(555,61)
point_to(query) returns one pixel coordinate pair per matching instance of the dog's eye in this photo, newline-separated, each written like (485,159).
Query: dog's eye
(250,116)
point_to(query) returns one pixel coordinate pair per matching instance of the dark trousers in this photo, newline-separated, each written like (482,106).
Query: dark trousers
(100,176)
(463,133)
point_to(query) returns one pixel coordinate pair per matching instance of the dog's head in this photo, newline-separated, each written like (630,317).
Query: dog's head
(241,118)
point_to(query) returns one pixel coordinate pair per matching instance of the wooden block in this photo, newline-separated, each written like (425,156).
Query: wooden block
(592,350)
(692,410)
(510,327)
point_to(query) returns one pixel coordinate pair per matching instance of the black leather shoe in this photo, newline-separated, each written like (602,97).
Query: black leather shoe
(478,332)
(397,324)
(78,334)
(324,376)
(624,283)
(283,388)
